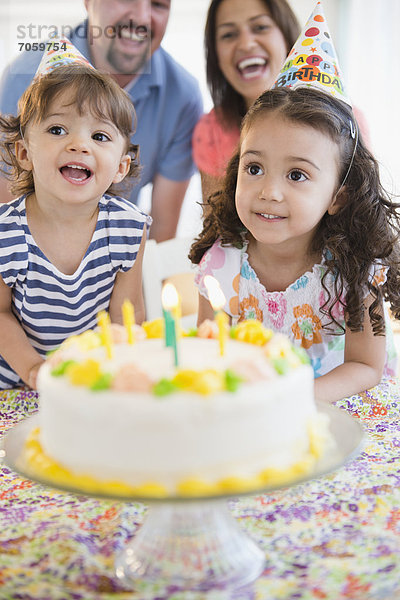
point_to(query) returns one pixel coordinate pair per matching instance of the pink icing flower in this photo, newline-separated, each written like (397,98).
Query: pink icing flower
(130,379)
(208,329)
(120,336)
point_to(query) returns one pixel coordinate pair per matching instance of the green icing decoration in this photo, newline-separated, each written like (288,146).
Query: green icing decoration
(164,387)
(232,332)
(192,332)
(62,367)
(102,383)
(281,365)
(301,354)
(232,381)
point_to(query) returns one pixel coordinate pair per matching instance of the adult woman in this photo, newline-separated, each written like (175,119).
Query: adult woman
(246,44)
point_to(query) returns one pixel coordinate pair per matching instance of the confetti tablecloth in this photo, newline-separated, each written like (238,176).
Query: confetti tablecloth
(328,539)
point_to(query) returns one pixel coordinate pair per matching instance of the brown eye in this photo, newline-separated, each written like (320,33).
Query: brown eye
(56,130)
(297,176)
(100,137)
(254,170)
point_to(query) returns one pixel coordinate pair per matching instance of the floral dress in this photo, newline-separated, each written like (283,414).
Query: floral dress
(294,312)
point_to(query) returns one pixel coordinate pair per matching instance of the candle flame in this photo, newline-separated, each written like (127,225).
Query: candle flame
(215,294)
(169,297)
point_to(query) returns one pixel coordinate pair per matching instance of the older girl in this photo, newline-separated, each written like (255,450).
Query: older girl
(303,238)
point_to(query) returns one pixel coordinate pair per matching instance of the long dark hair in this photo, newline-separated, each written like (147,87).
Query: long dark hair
(365,230)
(88,88)
(229,104)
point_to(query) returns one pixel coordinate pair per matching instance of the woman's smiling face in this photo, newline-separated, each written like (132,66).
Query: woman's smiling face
(251,48)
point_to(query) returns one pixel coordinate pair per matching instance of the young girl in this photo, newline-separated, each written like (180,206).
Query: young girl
(68,248)
(304,239)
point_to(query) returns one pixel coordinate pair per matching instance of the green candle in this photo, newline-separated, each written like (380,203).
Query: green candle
(168,327)
(170,301)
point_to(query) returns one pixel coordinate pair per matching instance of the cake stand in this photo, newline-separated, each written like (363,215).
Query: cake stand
(195,543)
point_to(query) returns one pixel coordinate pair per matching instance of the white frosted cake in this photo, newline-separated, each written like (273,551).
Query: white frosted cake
(214,424)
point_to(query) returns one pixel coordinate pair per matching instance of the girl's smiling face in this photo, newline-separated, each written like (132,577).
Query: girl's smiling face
(251,48)
(74,155)
(287,180)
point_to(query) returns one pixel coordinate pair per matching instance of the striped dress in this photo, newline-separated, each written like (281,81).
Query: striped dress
(50,305)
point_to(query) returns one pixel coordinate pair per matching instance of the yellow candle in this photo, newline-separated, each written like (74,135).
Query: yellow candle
(217,301)
(128,316)
(221,319)
(103,320)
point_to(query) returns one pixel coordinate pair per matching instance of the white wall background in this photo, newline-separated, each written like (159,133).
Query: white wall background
(365,36)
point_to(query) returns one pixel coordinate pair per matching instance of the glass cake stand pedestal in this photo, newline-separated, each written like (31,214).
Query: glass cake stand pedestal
(195,543)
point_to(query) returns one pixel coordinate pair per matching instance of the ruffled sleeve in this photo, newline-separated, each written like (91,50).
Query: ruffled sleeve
(223,263)
(13,245)
(124,224)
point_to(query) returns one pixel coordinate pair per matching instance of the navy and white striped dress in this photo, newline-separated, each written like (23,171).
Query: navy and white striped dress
(50,305)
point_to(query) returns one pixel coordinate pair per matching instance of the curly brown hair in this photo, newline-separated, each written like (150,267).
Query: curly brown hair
(366,228)
(88,88)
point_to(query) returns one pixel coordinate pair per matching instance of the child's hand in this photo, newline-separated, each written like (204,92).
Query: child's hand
(32,376)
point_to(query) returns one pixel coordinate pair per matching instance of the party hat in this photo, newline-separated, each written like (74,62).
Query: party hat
(59,52)
(312,61)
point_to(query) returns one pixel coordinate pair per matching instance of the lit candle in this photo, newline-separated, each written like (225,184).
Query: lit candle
(103,320)
(170,302)
(217,301)
(128,316)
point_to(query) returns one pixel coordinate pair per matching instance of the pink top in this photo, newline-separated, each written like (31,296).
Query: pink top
(213,145)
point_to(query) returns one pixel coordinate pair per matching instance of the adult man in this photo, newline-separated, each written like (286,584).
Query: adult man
(123,37)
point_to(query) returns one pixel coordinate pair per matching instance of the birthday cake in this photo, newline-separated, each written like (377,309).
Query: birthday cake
(135,423)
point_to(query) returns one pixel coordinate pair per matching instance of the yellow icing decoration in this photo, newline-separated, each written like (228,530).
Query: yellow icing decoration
(89,340)
(196,487)
(85,374)
(151,489)
(252,332)
(204,382)
(241,484)
(154,329)
(41,465)
(272,476)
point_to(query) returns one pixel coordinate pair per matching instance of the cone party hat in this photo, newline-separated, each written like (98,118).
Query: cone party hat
(312,61)
(60,52)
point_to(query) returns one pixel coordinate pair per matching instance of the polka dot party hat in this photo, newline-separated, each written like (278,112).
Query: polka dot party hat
(312,61)
(60,52)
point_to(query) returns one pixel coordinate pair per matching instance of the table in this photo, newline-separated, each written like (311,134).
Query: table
(329,539)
